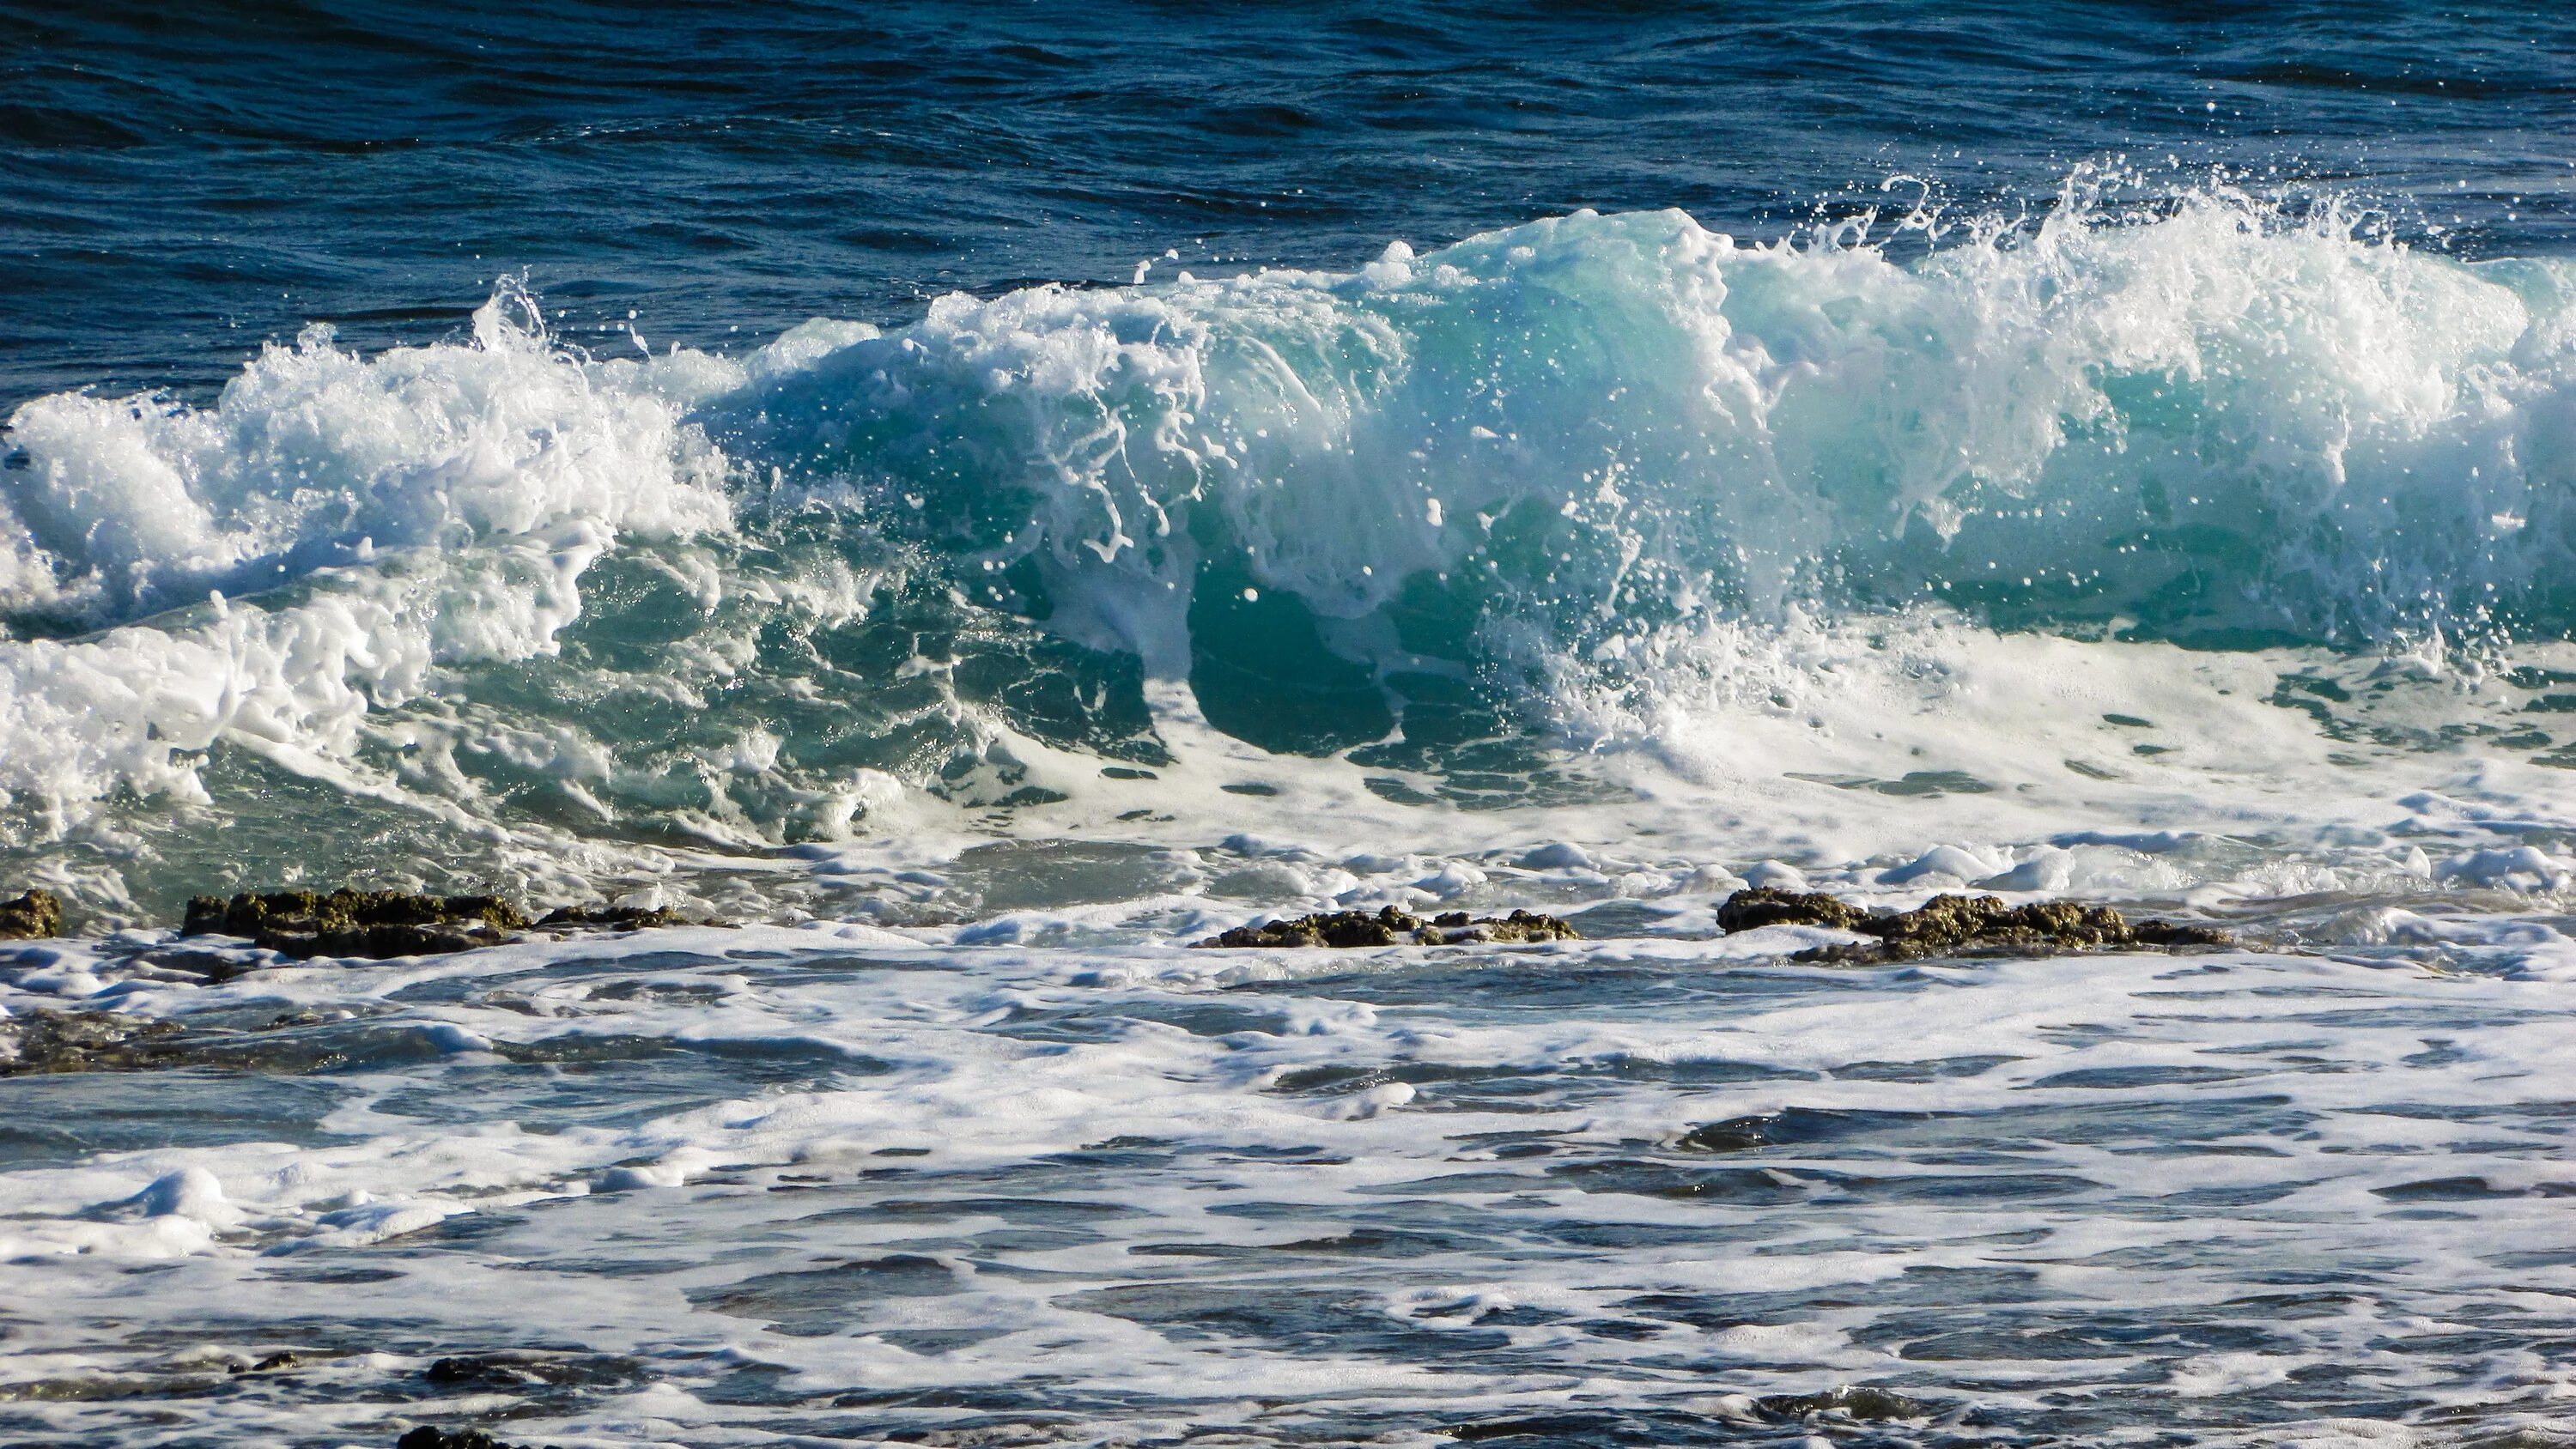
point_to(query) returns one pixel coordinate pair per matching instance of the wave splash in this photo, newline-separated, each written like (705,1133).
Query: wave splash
(1459,508)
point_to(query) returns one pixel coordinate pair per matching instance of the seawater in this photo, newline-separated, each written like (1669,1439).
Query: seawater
(983,502)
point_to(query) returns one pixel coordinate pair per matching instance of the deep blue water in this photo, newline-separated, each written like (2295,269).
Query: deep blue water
(182,182)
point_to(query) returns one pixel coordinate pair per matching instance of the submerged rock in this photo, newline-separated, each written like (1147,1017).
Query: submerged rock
(1947,924)
(531,1369)
(34,1042)
(386,924)
(34,916)
(616,918)
(1394,927)
(1864,1403)
(377,924)
(1760,906)
(426,1437)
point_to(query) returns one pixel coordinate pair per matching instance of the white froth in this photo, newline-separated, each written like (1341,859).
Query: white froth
(2160,1138)
(431,504)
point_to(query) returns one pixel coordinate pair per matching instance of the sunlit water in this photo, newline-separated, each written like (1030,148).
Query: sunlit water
(980,502)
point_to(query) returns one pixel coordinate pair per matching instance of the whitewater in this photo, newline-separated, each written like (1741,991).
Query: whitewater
(2178,545)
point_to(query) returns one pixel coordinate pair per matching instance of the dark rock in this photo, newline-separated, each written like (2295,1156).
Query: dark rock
(531,1369)
(41,1041)
(1849,1403)
(1760,906)
(35,916)
(284,1360)
(1947,924)
(2178,933)
(489,1371)
(1574,1428)
(1736,1134)
(616,918)
(1393,927)
(426,1437)
(376,924)
(1520,927)
(214,966)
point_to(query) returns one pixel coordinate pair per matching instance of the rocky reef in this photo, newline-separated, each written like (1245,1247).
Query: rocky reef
(615,918)
(426,1437)
(42,1041)
(381,925)
(1950,925)
(376,924)
(33,916)
(1394,927)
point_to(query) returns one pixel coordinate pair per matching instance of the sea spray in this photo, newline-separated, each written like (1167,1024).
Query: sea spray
(1461,520)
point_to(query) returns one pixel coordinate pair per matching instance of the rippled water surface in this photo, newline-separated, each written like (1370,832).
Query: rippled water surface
(184,187)
(760,1184)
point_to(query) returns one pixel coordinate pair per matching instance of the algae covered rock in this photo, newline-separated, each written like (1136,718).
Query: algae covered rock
(1392,926)
(1759,906)
(1948,924)
(614,918)
(375,924)
(43,1041)
(34,916)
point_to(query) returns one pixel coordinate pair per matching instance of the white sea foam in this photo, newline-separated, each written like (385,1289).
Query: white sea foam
(1700,507)
(1380,1187)
(427,506)
(2339,429)
(1718,514)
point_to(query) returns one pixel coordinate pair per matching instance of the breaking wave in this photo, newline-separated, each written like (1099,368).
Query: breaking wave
(1458,514)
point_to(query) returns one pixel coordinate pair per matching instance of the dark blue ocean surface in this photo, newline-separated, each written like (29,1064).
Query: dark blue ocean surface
(181,182)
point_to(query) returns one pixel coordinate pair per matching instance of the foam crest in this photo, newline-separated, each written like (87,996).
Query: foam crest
(1593,510)
(2215,419)
(429,505)
(315,456)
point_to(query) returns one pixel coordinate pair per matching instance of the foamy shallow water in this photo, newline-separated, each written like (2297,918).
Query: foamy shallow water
(770,1186)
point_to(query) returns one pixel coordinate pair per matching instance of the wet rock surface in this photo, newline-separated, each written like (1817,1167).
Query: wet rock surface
(40,1041)
(1864,1403)
(1759,906)
(615,918)
(1949,925)
(538,1380)
(1847,1407)
(426,1437)
(374,924)
(381,925)
(36,1042)
(1393,927)
(500,1372)
(35,915)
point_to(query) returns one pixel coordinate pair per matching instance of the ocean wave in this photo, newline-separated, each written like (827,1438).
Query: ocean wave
(1536,490)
